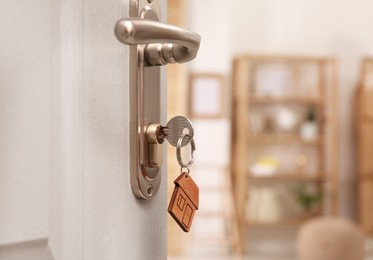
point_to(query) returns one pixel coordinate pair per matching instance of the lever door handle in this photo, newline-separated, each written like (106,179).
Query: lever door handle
(151,44)
(164,43)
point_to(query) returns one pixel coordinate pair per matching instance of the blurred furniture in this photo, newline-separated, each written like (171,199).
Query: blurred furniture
(364,158)
(284,140)
(330,239)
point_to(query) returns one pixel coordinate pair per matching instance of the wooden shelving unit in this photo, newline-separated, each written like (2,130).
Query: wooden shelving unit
(364,159)
(306,84)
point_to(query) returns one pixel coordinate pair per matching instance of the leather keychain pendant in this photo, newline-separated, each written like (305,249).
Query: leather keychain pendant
(184,201)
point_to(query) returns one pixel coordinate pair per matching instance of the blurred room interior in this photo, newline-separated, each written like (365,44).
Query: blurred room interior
(281,99)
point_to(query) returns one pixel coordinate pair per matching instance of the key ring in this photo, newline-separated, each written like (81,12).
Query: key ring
(178,152)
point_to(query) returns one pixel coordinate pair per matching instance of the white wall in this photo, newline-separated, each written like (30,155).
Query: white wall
(212,20)
(334,28)
(292,26)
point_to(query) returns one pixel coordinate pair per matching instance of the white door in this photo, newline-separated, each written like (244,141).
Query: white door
(64,137)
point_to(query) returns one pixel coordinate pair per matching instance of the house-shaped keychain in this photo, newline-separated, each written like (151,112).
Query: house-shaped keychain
(184,201)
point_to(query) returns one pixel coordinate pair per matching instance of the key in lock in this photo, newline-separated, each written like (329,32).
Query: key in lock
(156,133)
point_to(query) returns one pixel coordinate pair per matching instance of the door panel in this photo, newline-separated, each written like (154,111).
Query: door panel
(25,75)
(66,121)
(101,217)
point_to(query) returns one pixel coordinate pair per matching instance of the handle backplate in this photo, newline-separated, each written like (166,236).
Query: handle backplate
(151,44)
(145,107)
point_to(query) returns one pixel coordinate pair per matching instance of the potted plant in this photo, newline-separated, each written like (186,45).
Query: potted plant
(307,198)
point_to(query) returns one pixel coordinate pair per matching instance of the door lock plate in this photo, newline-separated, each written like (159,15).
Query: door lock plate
(152,44)
(145,108)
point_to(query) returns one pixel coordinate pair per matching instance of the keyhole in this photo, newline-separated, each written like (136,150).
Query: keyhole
(149,189)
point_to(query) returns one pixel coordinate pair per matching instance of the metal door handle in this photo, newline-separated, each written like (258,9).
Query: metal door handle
(151,44)
(164,43)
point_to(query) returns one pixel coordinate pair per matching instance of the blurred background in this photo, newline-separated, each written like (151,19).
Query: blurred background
(281,99)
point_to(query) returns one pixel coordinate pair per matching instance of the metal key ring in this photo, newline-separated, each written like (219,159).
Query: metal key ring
(178,152)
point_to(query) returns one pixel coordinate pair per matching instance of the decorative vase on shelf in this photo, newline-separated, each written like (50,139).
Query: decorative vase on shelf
(269,209)
(309,128)
(286,119)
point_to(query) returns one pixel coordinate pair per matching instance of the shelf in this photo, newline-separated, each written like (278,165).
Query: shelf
(282,223)
(285,100)
(253,110)
(283,58)
(273,139)
(289,177)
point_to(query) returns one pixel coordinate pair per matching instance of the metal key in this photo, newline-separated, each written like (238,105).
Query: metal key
(175,128)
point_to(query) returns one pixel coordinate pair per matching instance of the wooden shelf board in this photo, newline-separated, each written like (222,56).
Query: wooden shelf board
(285,100)
(282,58)
(365,177)
(289,177)
(281,223)
(273,139)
